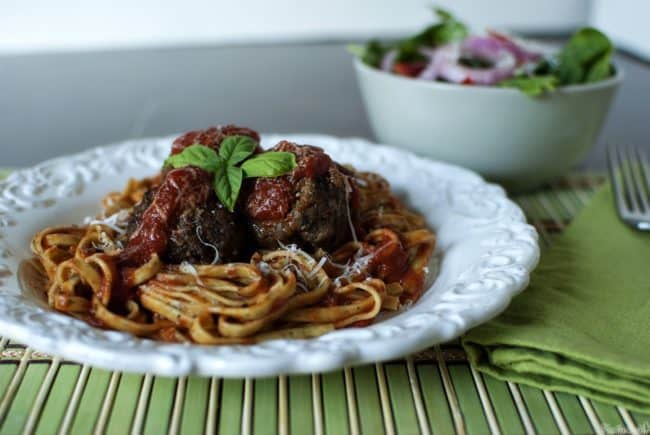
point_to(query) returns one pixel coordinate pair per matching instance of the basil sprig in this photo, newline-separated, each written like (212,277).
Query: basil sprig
(232,164)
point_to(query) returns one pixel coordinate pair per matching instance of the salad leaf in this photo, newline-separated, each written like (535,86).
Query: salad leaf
(449,29)
(356,49)
(600,69)
(532,86)
(371,54)
(409,51)
(443,14)
(585,58)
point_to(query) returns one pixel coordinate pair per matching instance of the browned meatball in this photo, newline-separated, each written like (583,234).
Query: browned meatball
(200,233)
(206,234)
(212,137)
(309,207)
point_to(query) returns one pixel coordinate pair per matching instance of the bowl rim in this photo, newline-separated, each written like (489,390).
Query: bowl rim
(613,81)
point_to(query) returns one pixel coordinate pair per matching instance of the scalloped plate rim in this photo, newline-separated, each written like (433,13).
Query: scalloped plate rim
(305,356)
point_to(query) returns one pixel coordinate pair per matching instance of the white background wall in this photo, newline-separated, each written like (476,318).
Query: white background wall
(627,22)
(69,25)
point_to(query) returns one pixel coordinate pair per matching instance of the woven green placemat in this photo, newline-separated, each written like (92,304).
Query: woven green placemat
(435,391)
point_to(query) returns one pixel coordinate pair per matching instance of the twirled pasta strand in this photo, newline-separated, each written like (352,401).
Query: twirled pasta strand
(283,293)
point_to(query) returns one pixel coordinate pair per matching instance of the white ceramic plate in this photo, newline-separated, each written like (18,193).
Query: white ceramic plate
(485,250)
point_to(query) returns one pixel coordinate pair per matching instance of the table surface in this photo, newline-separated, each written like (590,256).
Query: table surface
(54,104)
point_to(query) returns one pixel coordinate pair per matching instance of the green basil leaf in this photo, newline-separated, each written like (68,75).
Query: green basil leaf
(532,86)
(195,155)
(234,149)
(269,164)
(227,183)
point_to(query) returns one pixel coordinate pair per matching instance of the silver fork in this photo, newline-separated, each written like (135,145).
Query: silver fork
(628,171)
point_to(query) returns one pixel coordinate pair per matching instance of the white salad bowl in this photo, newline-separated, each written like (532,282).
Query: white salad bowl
(501,133)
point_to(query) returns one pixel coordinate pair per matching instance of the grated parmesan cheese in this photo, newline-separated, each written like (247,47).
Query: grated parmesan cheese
(217,256)
(357,267)
(116,221)
(318,267)
(348,190)
(264,267)
(187,267)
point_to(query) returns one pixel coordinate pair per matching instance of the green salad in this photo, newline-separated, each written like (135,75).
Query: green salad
(446,51)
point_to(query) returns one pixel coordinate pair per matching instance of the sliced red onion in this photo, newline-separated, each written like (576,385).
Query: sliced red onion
(389,60)
(483,47)
(522,53)
(445,64)
(430,72)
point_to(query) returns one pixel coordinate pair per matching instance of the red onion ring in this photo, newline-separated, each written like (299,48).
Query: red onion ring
(521,52)
(388,61)
(430,72)
(502,52)
(444,61)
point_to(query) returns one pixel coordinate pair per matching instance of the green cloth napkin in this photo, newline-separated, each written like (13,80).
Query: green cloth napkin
(4,173)
(583,325)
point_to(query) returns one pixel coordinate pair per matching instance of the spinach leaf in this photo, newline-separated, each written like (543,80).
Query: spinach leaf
(585,58)
(447,30)
(409,51)
(371,54)
(532,86)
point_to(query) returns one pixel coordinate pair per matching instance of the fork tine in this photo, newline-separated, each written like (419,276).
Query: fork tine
(639,189)
(645,176)
(619,193)
(628,184)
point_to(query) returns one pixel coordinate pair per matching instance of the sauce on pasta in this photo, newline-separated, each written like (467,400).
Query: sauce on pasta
(321,248)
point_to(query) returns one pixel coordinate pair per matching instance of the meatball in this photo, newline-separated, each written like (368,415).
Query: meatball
(212,137)
(206,234)
(201,230)
(309,207)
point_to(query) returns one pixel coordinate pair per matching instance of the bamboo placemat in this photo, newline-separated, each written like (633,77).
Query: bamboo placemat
(435,391)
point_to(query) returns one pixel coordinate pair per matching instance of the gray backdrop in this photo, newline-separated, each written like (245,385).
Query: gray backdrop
(54,104)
